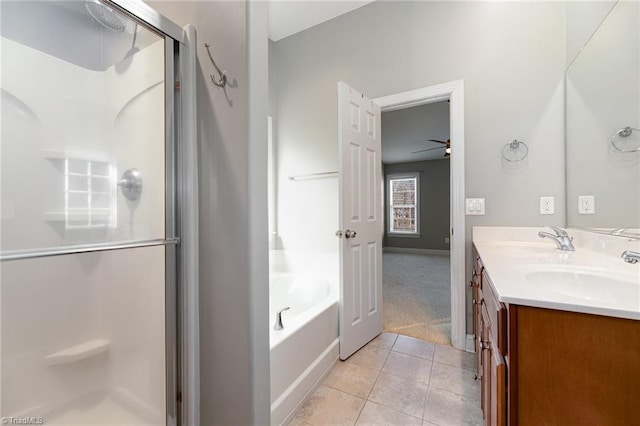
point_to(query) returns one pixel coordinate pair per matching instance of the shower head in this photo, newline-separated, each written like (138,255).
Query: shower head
(104,15)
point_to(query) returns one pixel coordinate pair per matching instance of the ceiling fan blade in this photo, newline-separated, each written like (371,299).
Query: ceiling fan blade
(435,140)
(430,149)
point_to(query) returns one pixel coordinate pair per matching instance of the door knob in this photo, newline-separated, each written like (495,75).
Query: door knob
(339,233)
(350,234)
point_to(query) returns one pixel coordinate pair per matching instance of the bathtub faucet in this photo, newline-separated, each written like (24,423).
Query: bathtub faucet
(278,325)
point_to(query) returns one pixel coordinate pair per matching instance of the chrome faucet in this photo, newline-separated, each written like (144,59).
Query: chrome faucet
(278,325)
(618,231)
(561,238)
(630,256)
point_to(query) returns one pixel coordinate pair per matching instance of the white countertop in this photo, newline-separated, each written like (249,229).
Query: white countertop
(527,270)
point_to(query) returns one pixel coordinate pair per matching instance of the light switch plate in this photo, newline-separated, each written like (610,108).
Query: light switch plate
(547,205)
(474,206)
(586,204)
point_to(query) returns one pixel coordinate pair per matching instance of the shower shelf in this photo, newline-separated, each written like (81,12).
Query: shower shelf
(74,155)
(79,352)
(96,214)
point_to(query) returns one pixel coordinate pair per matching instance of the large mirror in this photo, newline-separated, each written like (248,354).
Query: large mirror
(602,126)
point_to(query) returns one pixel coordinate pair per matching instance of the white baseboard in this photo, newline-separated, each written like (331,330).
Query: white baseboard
(470,346)
(416,251)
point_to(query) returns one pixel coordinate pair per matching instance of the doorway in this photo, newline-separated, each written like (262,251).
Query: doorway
(453,92)
(416,262)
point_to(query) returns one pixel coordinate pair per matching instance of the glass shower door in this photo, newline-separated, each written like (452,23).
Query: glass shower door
(83,243)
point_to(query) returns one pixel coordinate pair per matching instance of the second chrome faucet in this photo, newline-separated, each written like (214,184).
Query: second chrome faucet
(561,238)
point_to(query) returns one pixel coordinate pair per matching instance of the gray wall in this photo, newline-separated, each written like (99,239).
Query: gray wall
(234,326)
(511,56)
(433,209)
(408,130)
(582,19)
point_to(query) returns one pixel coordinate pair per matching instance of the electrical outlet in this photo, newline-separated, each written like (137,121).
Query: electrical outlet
(474,206)
(586,204)
(547,205)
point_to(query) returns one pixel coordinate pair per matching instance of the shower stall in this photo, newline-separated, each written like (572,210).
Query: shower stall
(90,213)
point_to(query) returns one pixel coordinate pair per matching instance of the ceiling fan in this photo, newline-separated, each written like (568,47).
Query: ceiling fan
(447,147)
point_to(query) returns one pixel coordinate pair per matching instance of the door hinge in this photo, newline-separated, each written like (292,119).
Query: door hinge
(177,85)
(179,397)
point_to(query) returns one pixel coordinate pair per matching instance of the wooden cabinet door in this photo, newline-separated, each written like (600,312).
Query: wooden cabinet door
(485,377)
(476,301)
(494,378)
(498,391)
(477,329)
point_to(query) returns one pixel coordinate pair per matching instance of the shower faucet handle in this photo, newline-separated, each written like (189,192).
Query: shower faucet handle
(131,184)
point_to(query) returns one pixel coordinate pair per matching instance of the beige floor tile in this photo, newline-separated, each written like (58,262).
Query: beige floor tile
(446,408)
(297,422)
(352,378)
(456,380)
(454,357)
(400,364)
(329,406)
(370,356)
(400,393)
(376,414)
(384,340)
(412,346)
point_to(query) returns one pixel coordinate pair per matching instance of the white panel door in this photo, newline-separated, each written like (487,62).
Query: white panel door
(361,220)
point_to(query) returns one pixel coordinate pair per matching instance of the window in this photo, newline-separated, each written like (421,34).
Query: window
(402,199)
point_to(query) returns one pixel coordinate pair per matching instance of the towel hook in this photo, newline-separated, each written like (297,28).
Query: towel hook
(223,78)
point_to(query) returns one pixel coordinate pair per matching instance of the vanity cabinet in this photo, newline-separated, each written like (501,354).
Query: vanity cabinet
(541,366)
(489,328)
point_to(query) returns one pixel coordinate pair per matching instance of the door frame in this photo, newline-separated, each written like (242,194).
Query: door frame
(454,92)
(182,355)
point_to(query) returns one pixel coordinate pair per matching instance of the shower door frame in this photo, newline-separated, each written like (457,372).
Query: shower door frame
(181,201)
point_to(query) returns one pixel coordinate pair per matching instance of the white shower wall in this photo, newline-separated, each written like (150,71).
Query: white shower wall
(113,300)
(78,114)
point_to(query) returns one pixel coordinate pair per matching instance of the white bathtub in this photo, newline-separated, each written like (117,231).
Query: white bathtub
(305,350)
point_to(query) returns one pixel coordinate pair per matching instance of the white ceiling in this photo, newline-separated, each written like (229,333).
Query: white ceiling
(287,17)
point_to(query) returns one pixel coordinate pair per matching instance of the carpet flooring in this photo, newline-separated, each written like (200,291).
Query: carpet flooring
(417,296)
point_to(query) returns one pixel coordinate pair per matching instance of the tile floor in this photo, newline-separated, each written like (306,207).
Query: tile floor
(397,380)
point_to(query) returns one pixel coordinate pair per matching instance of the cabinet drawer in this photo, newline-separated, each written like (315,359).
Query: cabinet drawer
(497,315)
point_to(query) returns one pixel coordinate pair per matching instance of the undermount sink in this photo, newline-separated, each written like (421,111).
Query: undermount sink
(585,284)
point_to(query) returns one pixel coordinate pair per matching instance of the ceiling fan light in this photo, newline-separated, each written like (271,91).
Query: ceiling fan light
(448,150)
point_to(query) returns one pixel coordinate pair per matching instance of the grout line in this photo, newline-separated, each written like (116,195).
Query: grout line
(360,412)
(426,398)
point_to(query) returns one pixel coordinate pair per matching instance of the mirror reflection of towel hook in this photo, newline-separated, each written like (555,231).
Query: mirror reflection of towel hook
(223,78)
